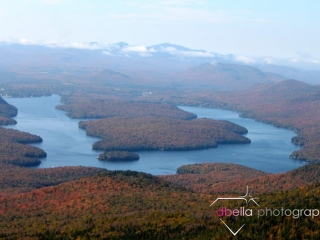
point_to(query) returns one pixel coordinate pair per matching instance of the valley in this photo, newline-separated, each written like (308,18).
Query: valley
(134,109)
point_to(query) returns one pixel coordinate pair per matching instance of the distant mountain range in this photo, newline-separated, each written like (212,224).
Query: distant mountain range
(223,76)
(311,77)
(160,65)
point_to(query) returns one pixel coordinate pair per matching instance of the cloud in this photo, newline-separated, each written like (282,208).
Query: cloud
(77,45)
(305,58)
(195,54)
(140,49)
(144,51)
(315,61)
(23,41)
(268,60)
(56,44)
(136,49)
(26,41)
(114,49)
(174,51)
(107,53)
(244,59)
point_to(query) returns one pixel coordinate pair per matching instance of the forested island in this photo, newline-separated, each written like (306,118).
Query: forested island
(96,203)
(167,134)
(92,203)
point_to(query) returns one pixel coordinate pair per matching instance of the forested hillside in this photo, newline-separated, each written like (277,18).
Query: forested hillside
(7,111)
(15,152)
(15,179)
(227,177)
(223,76)
(132,205)
(290,104)
(79,202)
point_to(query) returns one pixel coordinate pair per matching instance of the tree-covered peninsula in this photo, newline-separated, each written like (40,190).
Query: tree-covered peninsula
(13,148)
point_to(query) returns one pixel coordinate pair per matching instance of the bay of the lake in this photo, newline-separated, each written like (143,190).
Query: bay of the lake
(67,145)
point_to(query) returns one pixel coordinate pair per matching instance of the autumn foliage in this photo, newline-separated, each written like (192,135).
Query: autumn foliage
(150,133)
(291,104)
(15,179)
(133,205)
(11,135)
(7,121)
(232,178)
(91,203)
(95,108)
(13,148)
(7,110)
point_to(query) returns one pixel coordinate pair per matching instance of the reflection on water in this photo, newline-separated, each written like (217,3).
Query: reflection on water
(67,145)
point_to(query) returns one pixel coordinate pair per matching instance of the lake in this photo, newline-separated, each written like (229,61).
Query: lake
(67,145)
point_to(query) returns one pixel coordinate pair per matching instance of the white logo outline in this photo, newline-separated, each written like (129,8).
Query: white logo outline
(236,198)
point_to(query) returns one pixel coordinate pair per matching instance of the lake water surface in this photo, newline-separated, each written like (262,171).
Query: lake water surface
(67,145)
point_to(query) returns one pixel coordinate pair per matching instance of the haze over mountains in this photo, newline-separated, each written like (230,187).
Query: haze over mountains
(133,90)
(162,65)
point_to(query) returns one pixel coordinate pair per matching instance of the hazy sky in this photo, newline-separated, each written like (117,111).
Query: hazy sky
(279,28)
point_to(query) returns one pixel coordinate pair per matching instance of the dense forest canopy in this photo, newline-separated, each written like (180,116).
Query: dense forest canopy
(85,108)
(13,148)
(150,133)
(119,205)
(138,112)
(290,104)
(7,111)
(132,205)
